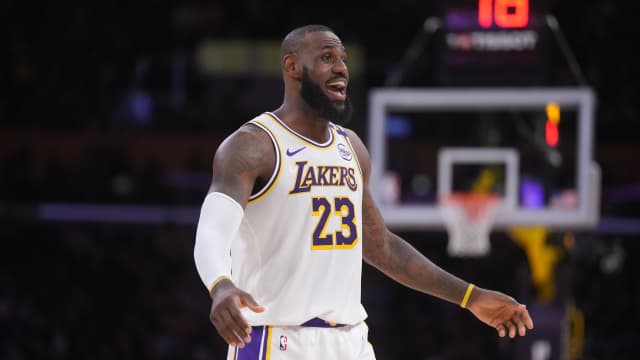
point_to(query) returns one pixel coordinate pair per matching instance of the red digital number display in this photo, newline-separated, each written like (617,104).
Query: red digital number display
(506,14)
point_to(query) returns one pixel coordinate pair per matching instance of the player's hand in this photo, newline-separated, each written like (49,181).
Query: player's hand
(501,312)
(226,302)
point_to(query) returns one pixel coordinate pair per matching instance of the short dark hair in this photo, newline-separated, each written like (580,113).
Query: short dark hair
(295,38)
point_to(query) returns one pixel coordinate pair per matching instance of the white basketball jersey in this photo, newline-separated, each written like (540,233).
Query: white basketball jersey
(299,248)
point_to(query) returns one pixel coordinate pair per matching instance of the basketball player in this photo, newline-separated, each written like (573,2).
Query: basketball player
(289,218)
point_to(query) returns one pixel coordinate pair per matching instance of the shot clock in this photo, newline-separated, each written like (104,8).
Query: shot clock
(505,14)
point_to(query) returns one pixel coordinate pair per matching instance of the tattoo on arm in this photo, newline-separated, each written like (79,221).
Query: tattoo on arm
(243,157)
(394,256)
(402,262)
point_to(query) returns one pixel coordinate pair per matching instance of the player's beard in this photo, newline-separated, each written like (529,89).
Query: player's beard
(320,103)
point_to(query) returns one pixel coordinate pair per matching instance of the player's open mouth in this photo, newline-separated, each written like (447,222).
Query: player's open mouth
(337,89)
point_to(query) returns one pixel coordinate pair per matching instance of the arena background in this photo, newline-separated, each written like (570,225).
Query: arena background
(109,116)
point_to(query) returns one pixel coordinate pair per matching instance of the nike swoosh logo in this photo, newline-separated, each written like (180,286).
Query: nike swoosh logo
(291,153)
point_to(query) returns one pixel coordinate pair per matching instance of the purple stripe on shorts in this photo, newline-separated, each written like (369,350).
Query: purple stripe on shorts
(317,322)
(251,351)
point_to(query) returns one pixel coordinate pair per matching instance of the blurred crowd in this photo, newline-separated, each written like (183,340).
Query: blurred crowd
(102,292)
(146,170)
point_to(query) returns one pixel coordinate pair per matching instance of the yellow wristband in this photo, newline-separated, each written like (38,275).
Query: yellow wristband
(217,282)
(467,294)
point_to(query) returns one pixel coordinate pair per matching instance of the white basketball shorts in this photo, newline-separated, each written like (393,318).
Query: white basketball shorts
(349,342)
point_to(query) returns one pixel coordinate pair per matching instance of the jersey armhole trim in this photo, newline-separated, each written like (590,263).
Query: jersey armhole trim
(277,169)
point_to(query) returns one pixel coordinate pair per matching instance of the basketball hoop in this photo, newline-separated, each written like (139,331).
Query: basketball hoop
(468,217)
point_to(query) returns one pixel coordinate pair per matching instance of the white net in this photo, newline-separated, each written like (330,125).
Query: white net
(468,218)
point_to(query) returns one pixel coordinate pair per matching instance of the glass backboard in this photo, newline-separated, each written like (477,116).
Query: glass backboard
(426,143)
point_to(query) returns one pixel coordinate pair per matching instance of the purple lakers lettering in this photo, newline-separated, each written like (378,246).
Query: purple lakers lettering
(321,175)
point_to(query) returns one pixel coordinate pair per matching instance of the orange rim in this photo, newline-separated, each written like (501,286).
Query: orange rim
(474,204)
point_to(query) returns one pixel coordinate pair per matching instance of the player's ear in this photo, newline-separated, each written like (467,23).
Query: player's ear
(291,66)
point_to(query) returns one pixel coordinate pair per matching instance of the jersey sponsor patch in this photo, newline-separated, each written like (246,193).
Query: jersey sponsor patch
(344,152)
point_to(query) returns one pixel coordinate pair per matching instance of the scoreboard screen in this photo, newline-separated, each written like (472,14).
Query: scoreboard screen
(492,14)
(492,42)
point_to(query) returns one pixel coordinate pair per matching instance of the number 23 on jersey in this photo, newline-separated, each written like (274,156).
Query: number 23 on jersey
(346,237)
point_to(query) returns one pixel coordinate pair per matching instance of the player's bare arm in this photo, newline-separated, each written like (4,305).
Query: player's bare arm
(394,256)
(244,157)
(402,262)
